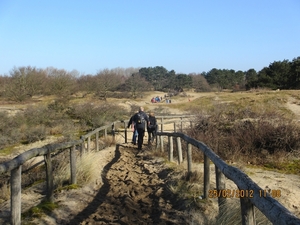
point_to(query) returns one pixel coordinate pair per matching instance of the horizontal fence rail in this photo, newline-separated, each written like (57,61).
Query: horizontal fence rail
(270,207)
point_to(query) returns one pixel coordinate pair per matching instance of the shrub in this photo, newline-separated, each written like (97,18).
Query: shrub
(232,137)
(92,116)
(34,134)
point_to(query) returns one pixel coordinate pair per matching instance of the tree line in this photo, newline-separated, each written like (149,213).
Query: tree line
(22,83)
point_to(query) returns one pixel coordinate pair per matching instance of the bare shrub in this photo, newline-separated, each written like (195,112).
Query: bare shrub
(93,116)
(119,95)
(9,133)
(232,137)
(34,134)
(59,105)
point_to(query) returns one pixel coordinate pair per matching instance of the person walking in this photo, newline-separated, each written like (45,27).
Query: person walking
(141,120)
(133,126)
(152,128)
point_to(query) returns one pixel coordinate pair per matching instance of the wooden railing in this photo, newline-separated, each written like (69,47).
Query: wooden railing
(14,166)
(270,207)
(273,210)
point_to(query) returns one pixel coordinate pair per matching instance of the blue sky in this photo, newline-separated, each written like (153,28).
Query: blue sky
(182,35)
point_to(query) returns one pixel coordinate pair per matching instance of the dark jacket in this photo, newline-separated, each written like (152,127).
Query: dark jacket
(140,119)
(131,121)
(152,123)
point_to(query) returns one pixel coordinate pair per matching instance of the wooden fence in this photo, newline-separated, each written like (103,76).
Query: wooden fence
(275,212)
(249,192)
(14,166)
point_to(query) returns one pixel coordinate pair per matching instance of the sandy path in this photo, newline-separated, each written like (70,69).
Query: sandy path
(133,191)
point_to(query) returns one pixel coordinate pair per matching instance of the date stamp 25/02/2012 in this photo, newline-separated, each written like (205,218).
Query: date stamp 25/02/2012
(240,193)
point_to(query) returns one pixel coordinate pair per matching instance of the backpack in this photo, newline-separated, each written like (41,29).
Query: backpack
(140,119)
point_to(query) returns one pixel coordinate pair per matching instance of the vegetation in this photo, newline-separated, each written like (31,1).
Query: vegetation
(248,128)
(58,118)
(24,83)
(45,207)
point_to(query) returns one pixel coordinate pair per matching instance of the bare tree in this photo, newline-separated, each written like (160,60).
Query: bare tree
(87,83)
(4,80)
(137,84)
(107,80)
(25,82)
(60,82)
(200,83)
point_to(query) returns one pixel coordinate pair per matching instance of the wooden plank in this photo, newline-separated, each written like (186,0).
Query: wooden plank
(170,148)
(97,141)
(206,177)
(247,210)
(189,157)
(220,186)
(125,130)
(49,177)
(15,192)
(161,143)
(89,144)
(82,146)
(73,165)
(179,150)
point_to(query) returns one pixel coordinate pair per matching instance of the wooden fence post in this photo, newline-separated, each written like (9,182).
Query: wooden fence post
(248,213)
(49,177)
(105,133)
(180,124)
(220,182)
(82,147)
(189,157)
(113,132)
(170,148)
(15,195)
(125,128)
(161,143)
(97,141)
(174,126)
(157,138)
(179,150)
(206,176)
(73,165)
(162,125)
(88,143)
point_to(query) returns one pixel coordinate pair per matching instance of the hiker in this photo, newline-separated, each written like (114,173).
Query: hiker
(140,119)
(152,128)
(133,125)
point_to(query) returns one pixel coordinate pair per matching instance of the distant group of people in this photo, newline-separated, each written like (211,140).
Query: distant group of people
(156,99)
(139,122)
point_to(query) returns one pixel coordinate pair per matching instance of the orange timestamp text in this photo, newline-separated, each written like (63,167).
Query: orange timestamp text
(240,193)
(230,193)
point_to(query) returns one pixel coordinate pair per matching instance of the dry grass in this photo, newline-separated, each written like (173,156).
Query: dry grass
(86,170)
(4,193)
(231,214)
